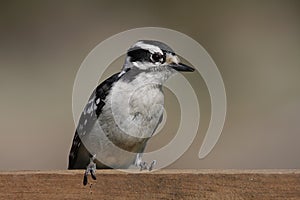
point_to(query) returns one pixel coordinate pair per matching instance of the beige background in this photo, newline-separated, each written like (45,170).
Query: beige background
(255,44)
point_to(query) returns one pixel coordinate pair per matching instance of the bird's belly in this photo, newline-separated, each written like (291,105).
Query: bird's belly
(111,149)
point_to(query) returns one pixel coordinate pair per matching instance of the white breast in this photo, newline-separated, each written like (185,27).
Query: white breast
(137,107)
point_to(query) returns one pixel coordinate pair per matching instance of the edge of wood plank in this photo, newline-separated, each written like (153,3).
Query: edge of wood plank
(162,171)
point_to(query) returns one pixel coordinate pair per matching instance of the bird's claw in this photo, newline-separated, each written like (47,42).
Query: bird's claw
(91,168)
(93,174)
(151,165)
(146,166)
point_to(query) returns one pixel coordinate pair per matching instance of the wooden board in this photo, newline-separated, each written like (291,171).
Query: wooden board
(163,184)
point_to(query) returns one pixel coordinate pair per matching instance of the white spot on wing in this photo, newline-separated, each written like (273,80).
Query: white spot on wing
(91,100)
(121,73)
(90,109)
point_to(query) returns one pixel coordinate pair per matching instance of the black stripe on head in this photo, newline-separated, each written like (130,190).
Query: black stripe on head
(141,55)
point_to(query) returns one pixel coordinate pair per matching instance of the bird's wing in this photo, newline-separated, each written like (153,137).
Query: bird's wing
(89,116)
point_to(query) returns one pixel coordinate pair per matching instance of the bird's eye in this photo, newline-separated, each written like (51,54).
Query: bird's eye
(156,57)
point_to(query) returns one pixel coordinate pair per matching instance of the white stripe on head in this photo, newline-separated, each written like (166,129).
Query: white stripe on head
(143,65)
(149,47)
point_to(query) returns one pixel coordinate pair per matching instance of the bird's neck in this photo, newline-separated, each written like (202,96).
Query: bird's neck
(153,76)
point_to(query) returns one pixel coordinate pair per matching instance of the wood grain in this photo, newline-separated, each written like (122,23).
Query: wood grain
(163,184)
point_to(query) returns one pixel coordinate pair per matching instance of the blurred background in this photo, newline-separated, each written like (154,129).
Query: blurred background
(255,44)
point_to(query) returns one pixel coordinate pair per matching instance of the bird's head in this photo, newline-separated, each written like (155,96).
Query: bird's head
(149,55)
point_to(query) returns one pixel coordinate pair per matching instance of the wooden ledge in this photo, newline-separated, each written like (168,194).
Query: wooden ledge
(162,184)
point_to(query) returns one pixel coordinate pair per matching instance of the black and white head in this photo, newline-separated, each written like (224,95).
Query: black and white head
(153,56)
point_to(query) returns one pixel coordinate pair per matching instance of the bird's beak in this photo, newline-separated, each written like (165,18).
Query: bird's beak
(175,63)
(181,67)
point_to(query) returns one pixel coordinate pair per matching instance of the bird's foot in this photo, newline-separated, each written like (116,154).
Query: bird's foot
(145,166)
(91,168)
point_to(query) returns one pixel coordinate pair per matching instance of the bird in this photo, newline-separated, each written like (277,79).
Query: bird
(124,111)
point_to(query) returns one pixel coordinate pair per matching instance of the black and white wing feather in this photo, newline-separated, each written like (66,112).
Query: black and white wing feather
(88,118)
